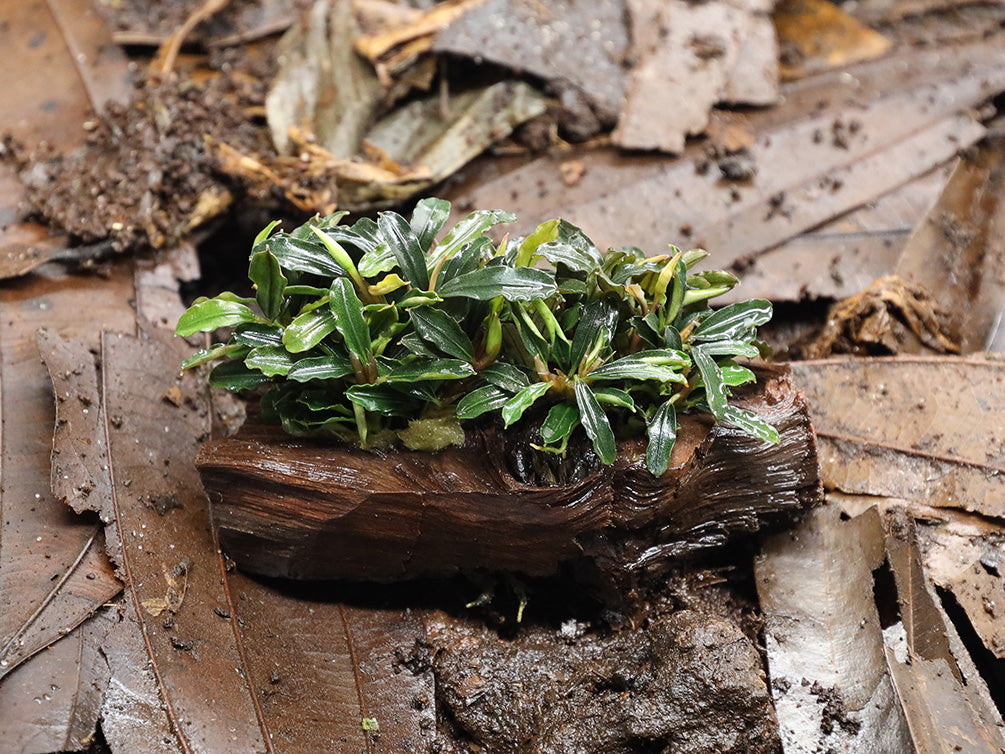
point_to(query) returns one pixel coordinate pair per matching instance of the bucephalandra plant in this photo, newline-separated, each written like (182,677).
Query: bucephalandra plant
(375,332)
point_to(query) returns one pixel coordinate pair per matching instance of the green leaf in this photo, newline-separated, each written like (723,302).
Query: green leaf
(692,257)
(427,220)
(480,401)
(595,422)
(694,295)
(730,321)
(731,348)
(514,284)
(382,399)
(213,313)
(405,246)
(305,290)
(594,330)
(662,431)
(234,375)
(437,327)
(270,283)
(348,315)
(466,231)
(300,255)
(715,385)
(560,252)
(309,329)
(379,259)
(615,397)
(663,365)
(561,420)
(467,260)
(523,400)
(340,255)
(505,376)
(387,284)
(257,334)
(422,368)
(218,351)
(264,233)
(545,232)
(751,423)
(735,375)
(320,368)
(272,361)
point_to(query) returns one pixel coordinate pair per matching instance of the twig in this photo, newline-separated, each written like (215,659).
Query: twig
(167,55)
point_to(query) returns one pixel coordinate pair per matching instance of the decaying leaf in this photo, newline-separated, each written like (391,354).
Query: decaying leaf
(891,316)
(689,57)
(816,34)
(915,428)
(957,252)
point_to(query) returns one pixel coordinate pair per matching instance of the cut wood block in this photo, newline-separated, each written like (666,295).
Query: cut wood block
(298,508)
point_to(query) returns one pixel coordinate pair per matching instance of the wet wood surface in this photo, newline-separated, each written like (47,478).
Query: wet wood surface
(303,509)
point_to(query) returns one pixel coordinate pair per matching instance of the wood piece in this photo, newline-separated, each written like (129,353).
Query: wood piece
(291,507)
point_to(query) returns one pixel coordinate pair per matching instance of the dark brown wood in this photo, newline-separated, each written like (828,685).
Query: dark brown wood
(289,507)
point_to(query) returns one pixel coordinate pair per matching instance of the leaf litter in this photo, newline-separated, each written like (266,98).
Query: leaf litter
(948,492)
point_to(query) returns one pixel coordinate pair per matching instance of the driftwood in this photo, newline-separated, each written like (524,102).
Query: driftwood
(290,507)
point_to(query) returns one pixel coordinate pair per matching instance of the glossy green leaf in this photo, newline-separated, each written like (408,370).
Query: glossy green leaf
(211,314)
(270,283)
(614,396)
(750,423)
(505,376)
(218,351)
(348,314)
(422,368)
(404,244)
(594,330)
(468,260)
(515,406)
(427,220)
(695,295)
(662,431)
(320,368)
(258,334)
(380,259)
(730,321)
(558,425)
(545,232)
(272,361)
(305,290)
(595,422)
(715,386)
(307,330)
(382,399)
(338,253)
(300,255)
(731,348)
(234,375)
(438,328)
(264,233)
(662,365)
(734,374)
(514,284)
(481,400)
(466,231)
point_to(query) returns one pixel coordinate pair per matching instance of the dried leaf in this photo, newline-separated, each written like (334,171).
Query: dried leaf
(905,428)
(824,639)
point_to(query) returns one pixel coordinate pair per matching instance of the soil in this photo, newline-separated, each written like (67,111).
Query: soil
(144,175)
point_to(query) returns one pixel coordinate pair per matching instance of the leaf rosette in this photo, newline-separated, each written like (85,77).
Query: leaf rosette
(376,333)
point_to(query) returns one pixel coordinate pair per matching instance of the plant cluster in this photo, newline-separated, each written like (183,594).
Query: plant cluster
(375,332)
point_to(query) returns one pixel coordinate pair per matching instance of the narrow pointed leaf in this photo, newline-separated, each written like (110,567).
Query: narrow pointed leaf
(559,423)
(428,219)
(438,328)
(595,422)
(482,400)
(466,231)
(405,246)
(731,348)
(523,400)
(662,432)
(613,396)
(545,232)
(309,329)
(234,375)
(348,315)
(257,334)
(663,365)
(270,283)
(595,324)
(213,313)
(264,233)
(750,423)
(219,351)
(729,321)
(715,385)
(382,399)
(514,284)
(300,255)
(337,252)
(505,376)
(380,259)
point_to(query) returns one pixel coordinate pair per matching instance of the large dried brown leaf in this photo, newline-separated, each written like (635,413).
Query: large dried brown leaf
(883,124)
(916,428)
